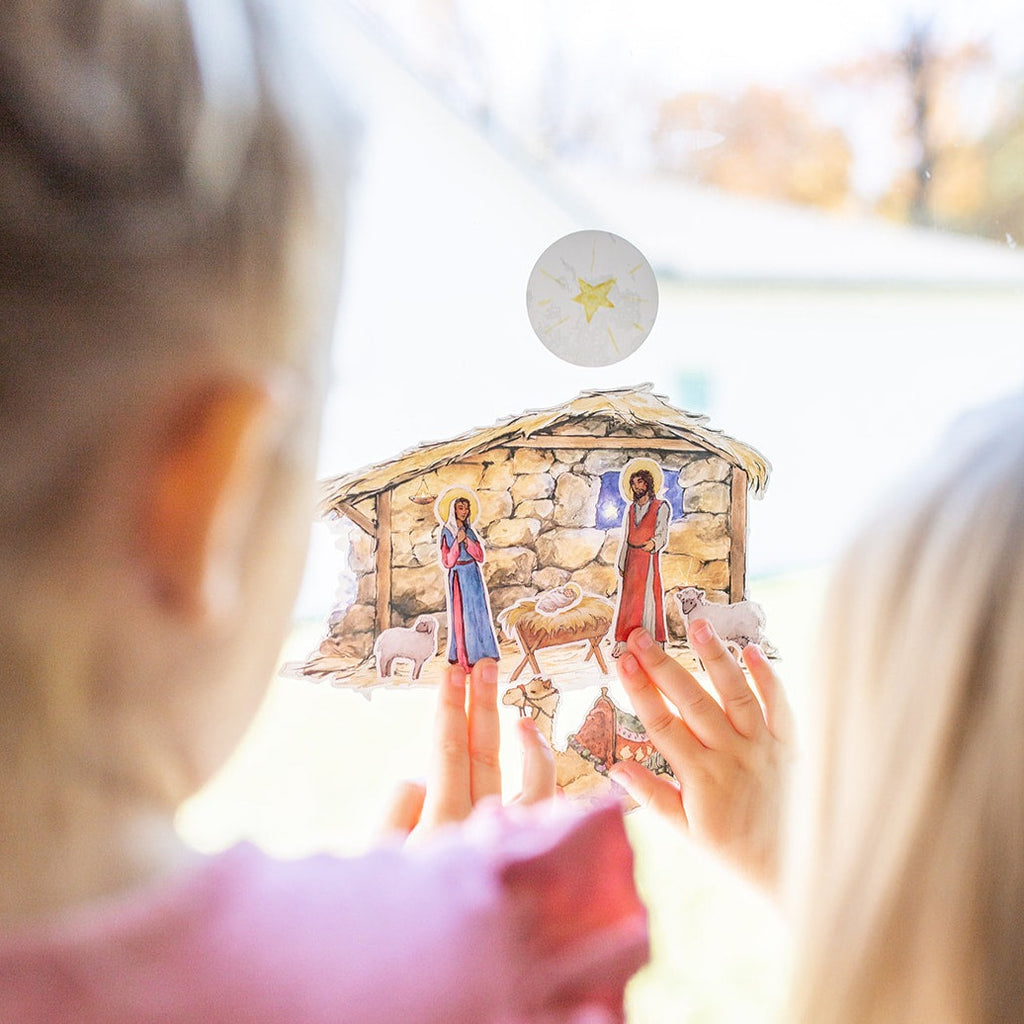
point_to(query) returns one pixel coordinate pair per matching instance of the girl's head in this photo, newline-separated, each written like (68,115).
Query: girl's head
(462,509)
(171,175)
(160,201)
(916,883)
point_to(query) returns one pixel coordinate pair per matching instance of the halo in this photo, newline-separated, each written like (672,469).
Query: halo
(444,503)
(631,467)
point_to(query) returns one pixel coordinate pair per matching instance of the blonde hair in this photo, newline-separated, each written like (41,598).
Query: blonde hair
(915,887)
(163,164)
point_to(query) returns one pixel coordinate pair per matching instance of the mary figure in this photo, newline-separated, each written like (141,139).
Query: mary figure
(470,632)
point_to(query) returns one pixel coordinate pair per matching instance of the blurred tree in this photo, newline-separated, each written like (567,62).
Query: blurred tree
(928,130)
(944,180)
(763,142)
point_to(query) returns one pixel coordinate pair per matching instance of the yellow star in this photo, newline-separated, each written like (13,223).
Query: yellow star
(593,296)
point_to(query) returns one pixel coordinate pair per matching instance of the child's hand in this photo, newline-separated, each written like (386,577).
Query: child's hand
(465,766)
(730,761)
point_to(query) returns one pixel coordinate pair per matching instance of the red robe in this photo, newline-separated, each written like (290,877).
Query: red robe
(633,590)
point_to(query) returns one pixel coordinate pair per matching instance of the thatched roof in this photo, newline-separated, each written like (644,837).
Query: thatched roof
(622,408)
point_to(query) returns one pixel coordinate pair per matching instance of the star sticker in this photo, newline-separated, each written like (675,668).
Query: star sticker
(593,296)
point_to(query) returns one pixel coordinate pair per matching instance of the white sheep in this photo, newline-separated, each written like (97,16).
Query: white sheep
(737,624)
(417,644)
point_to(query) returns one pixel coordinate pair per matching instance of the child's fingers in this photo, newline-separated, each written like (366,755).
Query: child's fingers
(406,808)
(778,714)
(448,795)
(667,731)
(538,764)
(699,710)
(728,679)
(484,731)
(657,792)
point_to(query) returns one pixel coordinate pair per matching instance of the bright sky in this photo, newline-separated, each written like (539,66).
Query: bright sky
(578,62)
(708,44)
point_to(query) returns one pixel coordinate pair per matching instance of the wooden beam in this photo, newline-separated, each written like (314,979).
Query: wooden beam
(363,522)
(586,441)
(738,531)
(383,561)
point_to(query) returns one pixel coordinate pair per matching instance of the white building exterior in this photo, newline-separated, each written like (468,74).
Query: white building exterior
(838,347)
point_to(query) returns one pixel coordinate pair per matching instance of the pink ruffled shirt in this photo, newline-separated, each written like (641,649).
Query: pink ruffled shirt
(518,916)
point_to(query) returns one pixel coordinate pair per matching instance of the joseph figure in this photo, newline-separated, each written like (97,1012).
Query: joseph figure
(644,536)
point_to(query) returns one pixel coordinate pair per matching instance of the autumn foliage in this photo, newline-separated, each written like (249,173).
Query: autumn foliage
(761,143)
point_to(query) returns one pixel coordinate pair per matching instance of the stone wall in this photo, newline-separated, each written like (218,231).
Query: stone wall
(538,520)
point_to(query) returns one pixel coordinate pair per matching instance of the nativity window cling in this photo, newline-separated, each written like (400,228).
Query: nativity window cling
(542,541)
(592,298)
(509,539)
(606,734)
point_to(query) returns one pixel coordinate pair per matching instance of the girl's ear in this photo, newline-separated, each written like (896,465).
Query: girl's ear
(205,487)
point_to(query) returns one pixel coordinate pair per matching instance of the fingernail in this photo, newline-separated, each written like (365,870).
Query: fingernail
(643,639)
(489,672)
(754,651)
(702,631)
(629,664)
